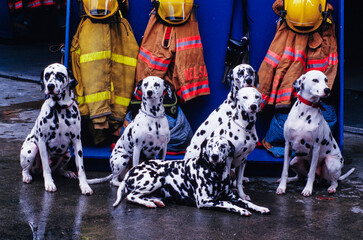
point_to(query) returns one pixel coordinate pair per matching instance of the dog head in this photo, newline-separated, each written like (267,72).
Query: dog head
(153,87)
(56,78)
(249,99)
(216,150)
(312,84)
(244,75)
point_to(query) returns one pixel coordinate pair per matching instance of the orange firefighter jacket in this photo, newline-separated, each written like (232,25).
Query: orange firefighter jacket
(292,54)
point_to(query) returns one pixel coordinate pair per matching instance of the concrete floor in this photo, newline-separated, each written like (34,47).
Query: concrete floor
(27,211)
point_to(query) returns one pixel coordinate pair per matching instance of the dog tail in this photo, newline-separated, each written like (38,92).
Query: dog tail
(99,180)
(341,178)
(120,192)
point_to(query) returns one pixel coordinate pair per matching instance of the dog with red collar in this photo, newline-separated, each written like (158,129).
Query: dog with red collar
(308,134)
(58,126)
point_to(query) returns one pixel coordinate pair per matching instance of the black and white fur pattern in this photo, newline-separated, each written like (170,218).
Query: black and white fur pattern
(308,134)
(243,75)
(147,134)
(239,128)
(57,127)
(203,181)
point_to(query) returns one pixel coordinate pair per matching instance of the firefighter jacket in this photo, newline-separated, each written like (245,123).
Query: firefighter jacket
(290,55)
(104,57)
(174,53)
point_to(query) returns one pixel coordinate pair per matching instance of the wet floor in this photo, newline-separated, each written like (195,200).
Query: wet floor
(27,211)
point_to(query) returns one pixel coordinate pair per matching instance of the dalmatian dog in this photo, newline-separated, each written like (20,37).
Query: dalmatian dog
(243,75)
(202,181)
(239,128)
(147,134)
(56,128)
(308,134)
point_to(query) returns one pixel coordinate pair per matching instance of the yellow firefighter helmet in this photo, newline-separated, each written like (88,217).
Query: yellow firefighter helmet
(304,16)
(174,12)
(100,9)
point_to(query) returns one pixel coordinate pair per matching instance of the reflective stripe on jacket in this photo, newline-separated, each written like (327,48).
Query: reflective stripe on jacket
(104,57)
(290,55)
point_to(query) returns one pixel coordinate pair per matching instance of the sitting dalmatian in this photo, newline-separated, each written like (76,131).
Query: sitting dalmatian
(56,128)
(243,75)
(308,134)
(147,135)
(240,129)
(202,181)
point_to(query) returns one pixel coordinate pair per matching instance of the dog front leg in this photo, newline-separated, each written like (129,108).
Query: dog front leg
(285,171)
(223,205)
(164,152)
(78,153)
(308,190)
(136,156)
(47,172)
(28,154)
(231,197)
(240,172)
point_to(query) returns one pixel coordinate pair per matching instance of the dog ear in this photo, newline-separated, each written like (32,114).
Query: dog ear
(298,84)
(232,149)
(257,79)
(72,81)
(168,89)
(202,148)
(138,87)
(42,81)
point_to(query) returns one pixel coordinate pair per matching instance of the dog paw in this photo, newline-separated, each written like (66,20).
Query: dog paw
(245,212)
(332,190)
(159,203)
(70,174)
(246,179)
(264,210)
(280,190)
(307,192)
(86,189)
(50,187)
(150,205)
(115,183)
(27,178)
(245,197)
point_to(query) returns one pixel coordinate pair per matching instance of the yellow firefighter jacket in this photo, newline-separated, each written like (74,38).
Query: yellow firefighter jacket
(104,57)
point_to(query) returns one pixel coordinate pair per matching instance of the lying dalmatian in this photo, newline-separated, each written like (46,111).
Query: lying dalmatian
(308,134)
(56,128)
(243,75)
(202,181)
(147,134)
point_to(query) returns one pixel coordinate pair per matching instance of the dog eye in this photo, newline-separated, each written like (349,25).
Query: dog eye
(60,76)
(326,80)
(47,76)
(315,80)
(257,97)
(245,97)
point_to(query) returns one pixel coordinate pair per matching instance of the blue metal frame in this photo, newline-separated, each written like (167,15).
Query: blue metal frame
(218,15)
(68,14)
(341,74)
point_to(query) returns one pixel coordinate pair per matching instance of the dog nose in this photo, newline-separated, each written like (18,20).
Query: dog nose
(326,91)
(249,81)
(50,87)
(253,107)
(214,157)
(149,93)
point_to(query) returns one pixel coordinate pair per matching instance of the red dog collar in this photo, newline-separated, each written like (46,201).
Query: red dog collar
(309,103)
